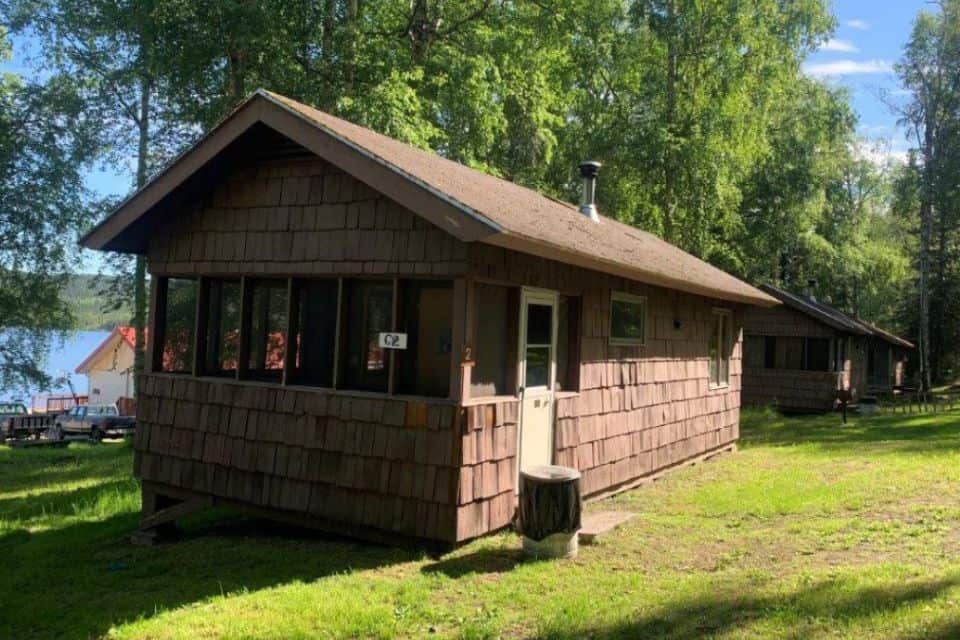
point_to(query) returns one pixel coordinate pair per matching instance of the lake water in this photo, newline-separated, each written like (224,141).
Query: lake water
(64,357)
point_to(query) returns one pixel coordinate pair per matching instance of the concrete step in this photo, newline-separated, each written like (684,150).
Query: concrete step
(596,524)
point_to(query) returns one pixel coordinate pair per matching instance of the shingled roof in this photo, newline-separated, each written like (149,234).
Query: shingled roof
(832,316)
(469,204)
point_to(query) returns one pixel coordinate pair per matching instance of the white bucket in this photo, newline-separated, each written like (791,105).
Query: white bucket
(556,545)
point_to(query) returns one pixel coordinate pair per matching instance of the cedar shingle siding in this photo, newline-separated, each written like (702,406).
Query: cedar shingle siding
(415,468)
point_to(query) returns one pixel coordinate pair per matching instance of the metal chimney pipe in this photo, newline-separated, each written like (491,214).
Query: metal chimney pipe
(588,200)
(811,286)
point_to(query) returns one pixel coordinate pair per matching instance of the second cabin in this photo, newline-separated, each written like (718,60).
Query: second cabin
(800,355)
(355,334)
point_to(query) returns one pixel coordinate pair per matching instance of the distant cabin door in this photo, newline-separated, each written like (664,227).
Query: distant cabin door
(538,369)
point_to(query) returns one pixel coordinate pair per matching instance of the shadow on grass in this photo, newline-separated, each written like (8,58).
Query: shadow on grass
(791,616)
(487,560)
(898,433)
(80,580)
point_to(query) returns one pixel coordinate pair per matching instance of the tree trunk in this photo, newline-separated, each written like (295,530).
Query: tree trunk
(353,11)
(140,269)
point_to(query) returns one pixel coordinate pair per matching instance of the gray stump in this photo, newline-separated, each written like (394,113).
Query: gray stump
(550,507)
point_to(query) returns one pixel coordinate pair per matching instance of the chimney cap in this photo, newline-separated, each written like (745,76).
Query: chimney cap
(589,168)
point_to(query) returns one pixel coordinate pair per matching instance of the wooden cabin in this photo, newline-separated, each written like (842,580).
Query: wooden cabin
(358,335)
(799,355)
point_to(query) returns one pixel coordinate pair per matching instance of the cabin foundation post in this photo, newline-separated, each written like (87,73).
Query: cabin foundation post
(159,514)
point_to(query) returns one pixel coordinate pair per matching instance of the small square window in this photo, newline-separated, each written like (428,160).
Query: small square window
(628,319)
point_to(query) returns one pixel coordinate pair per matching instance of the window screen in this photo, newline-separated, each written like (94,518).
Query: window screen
(789,353)
(369,311)
(178,302)
(770,352)
(818,354)
(627,319)
(266,347)
(754,354)
(495,339)
(315,331)
(568,344)
(221,338)
(426,316)
(719,349)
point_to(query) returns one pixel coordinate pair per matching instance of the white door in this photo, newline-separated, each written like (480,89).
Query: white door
(537,356)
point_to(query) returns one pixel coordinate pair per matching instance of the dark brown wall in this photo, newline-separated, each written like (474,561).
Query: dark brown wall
(381,463)
(301,216)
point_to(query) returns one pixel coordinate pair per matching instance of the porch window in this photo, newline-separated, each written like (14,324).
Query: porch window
(496,309)
(719,349)
(426,316)
(628,319)
(368,312)
(816,354)
(267,322)
(314,331)
(177,315)
(221,330)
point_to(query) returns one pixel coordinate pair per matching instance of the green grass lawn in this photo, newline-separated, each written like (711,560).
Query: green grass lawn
(811,530)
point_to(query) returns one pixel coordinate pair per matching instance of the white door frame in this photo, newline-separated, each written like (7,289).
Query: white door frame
(529,295)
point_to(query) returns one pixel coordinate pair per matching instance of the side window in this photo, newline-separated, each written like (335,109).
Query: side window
(314,331)
(176,316)
(719,348)
(628,319)
(267,322)
(221,331)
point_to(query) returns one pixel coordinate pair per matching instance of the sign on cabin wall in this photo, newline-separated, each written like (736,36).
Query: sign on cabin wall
(390,340)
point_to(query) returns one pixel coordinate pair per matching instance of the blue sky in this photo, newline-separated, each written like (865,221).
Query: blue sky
(869,39)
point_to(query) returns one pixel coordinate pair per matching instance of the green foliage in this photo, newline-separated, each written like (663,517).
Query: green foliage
(45,144)
(710,134)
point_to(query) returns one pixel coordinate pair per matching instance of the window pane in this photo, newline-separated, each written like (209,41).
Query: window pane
(626,320)
(753,352)
(724,329)
(496,310)
(180,313)
(316,333)
(539,324)
(369,312)
(568,344)
(713,350)
(818,354)
(538,366)
(770,352)
(789,353)
(268,328)
(222,331)
(426,316)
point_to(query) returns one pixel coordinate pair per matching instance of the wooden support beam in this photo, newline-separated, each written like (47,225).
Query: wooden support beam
(170,514)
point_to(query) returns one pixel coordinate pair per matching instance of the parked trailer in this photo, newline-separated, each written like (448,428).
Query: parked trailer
(15,422)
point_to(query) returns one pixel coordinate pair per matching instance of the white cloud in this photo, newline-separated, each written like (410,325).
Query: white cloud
(842,46)
(857,23)
(846,68)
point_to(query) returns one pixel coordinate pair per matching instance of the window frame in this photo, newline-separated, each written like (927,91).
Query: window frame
(630,298)
(724,346)
(287,378)
(157,335)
